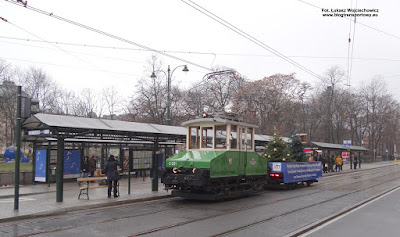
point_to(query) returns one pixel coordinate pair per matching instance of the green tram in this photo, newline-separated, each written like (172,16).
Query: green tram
(219,161)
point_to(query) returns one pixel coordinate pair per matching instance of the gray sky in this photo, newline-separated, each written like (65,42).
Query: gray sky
(293,28)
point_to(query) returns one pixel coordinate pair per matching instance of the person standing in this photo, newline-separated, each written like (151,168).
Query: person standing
(85,167)
(331,161)
(355,162)
(324,164)
(111,171)
(339,163)
(92,166)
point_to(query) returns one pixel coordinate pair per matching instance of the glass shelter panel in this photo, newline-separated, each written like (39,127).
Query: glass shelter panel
(207,137)
(220,137)
(194,139)
(233,137)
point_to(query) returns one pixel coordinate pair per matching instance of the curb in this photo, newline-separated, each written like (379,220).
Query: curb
(352,170)
(65,210)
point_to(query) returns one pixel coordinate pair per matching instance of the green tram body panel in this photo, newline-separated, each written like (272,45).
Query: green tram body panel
(221,163)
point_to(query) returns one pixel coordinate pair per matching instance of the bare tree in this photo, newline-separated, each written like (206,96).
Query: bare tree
(88,104)
(8,95)
(222,88)
(150,101)
(39,85)
(112,99)
(270,100)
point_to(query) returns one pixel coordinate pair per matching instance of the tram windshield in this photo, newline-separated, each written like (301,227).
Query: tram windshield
(194,139)
(220,137)
(207,137)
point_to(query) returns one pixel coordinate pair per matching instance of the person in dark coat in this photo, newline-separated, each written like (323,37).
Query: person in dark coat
(111,171)
(85,167)
(331,162)
(355,162)
(324,164)
(92,166)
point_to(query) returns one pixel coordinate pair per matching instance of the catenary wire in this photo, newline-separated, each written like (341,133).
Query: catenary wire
(352,45)
(93,55)
(247,36)
(348,50)
(69,66)
(59,48)
(106,34)
(185,52)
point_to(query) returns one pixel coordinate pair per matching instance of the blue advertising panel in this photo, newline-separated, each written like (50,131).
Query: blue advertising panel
(297,171)
(40,165)
(72,163)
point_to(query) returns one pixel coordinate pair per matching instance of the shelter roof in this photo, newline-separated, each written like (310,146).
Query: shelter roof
(94,128)
(338,146)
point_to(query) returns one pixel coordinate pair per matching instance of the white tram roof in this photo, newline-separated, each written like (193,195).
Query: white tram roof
(217,120)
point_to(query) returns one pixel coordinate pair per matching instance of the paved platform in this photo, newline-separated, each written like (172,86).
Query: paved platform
(40,200)
(346,167)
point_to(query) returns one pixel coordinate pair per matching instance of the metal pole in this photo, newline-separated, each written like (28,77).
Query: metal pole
(154,183)
(351,159)
(130,169)
(121,157)
(168,97)
(18,149)
(60,169)
(361,142)
(33,162)
(374,155)
(48,171)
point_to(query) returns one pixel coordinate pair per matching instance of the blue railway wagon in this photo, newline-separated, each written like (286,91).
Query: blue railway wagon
(289,174)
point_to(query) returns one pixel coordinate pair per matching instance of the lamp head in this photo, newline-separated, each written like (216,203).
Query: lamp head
(185,69)
(153,75)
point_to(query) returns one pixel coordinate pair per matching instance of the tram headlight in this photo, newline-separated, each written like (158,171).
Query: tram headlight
(175,170)
(197,172)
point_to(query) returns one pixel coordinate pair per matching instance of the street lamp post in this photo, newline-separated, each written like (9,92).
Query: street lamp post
(169,75)
(154,184)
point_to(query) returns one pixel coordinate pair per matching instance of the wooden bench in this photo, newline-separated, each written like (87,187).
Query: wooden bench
(84,185)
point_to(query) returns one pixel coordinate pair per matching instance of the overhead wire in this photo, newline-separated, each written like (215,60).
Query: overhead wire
(106,34)
(88,54)
(69,66)
(352,47)
(348,51)
(247,36)
(59,48)
(182,52)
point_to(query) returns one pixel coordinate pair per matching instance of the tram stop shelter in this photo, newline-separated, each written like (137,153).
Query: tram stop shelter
(330,147)
(68,131)
(338,147)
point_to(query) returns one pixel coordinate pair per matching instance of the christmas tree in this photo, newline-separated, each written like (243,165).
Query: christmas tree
(296,151)
(277,149)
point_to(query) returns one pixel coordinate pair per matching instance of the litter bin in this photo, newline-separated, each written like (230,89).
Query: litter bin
(53,174)
(53,171)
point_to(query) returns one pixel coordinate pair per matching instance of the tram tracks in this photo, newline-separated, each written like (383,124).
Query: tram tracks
(310,206)
(258,205)
(190,205)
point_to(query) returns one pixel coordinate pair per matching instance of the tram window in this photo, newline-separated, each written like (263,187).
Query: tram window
(242,138)
(194,142)
(207,137)
(249,138)
(233,137)
(220,137)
